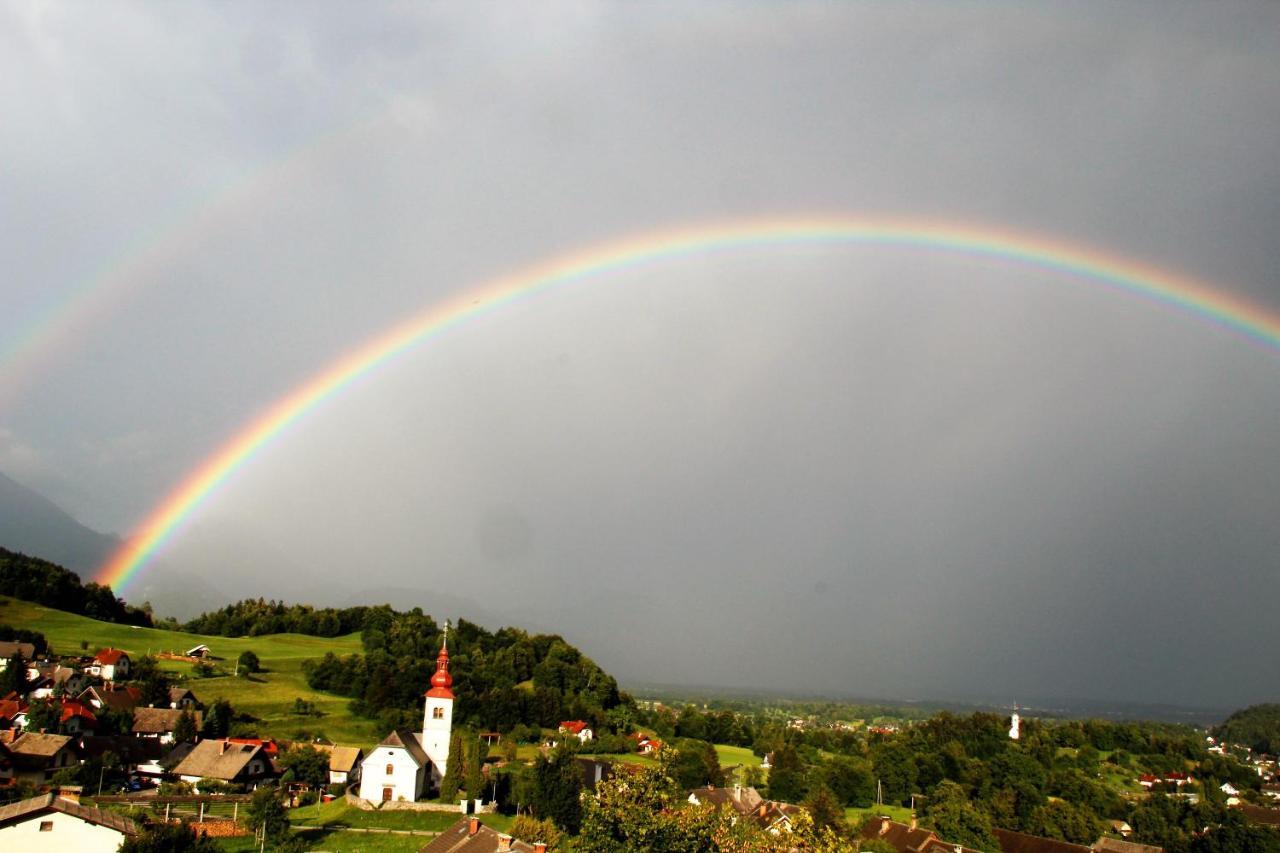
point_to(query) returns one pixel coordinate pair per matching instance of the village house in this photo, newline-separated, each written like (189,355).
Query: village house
(471,836)
(111,697)
(233,763)
(649,745)
(35,757)
(160,722)
(405,765)
(110,665)
(344,763)
(51,823)
(8,649)
(11,707)
(578,728)
(182,698)
(774,817)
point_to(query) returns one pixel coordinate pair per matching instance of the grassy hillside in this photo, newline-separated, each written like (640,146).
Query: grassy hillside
(268,696)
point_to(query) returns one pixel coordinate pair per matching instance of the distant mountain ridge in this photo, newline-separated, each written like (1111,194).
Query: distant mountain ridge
(33,524)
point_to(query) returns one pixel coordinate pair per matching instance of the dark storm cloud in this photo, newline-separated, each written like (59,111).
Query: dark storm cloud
(871,471)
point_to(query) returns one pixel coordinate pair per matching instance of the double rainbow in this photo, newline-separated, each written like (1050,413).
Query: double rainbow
(1124,276)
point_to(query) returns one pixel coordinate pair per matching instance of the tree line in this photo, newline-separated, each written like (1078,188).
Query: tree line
(43,582)
(501,678)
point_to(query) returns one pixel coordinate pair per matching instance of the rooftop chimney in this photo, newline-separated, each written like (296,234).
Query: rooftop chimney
(473,826)
(540,847)
(504,843)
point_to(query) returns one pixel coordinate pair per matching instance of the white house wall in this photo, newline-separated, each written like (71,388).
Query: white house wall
(67,835)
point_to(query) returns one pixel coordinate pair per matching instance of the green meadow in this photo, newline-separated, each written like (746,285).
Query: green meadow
(268,696)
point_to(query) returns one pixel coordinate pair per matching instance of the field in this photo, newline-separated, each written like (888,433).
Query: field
(268,696)
(856,816)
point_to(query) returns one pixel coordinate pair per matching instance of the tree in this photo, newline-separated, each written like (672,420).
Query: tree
(534,831)
(247,663)
(44,716)
(452,779)
(645,810)
(787,778)
(266,814)
(474,771)
(1063,821)
(13,678)
(217,719)
(184,729)
(951,814)
(169,838)
(309,766)
(825,809)
(557,781)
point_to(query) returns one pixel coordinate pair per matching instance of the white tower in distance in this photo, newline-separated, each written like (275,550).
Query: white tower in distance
(437,717)
(1014,733)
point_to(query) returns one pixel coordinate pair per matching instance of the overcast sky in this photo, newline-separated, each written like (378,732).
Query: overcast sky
(876,471)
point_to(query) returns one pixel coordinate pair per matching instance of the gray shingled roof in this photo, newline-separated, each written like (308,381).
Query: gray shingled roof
(15,812)
(34,743)
(156,721)
(409,742)
(217,759)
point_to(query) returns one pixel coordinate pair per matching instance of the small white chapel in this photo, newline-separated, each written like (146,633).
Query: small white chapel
(406,765)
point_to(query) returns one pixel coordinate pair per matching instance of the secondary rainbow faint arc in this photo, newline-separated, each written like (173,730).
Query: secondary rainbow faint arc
(1128,276)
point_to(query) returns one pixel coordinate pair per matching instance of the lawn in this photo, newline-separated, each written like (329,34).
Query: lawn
(268,696)
(340,813)
(855,816)
(733,756)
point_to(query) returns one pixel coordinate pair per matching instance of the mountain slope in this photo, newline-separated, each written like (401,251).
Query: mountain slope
(34,525)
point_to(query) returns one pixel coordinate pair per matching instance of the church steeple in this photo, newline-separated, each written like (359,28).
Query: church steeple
(442,681)
(437,715)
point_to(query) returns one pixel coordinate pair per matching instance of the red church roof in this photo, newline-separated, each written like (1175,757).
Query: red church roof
(441,680)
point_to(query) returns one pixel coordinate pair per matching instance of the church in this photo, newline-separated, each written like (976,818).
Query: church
(407,764)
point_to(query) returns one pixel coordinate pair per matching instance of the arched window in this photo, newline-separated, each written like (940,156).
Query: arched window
(390,769)
(437,713)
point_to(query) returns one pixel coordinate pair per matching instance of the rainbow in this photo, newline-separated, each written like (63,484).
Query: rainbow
(64,320)
(1124,276)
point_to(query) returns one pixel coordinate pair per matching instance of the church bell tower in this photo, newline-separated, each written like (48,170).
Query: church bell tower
(437,718)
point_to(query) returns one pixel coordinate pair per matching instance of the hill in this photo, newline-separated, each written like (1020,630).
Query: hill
(269,696)
(1257,727)
(33,524)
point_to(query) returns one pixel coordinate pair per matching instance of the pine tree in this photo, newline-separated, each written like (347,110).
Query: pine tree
(453,771)
(185,728)
(474,772)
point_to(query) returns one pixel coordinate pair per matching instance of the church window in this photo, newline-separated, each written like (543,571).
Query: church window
(390,768)
(437,713)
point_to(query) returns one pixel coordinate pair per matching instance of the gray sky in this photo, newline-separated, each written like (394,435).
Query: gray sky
(875,471)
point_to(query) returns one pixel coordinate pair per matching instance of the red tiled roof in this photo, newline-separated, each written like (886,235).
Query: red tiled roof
(573,726)
(109,656)
(72,708)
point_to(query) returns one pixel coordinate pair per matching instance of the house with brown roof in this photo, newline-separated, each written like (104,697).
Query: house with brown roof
(469,835)
(774,817)
(160,722)
(181,697)
(9,648)
(904,838)
(1017,842)
(1115,845)
(51,823)
(111,665)
(36,757)
(112,697)
(237,763)
(344,762)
